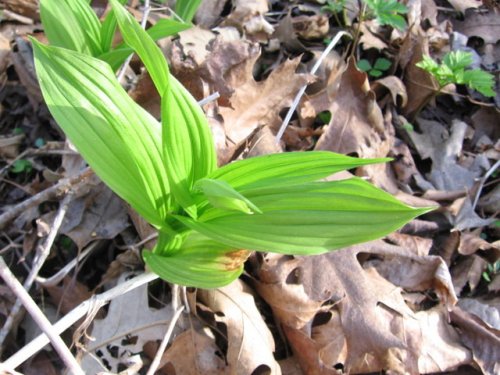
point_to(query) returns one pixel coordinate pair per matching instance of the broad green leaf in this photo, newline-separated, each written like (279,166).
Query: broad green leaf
(119,139)
(198,261)
(481,81)
(364,65)
(71,24)
(187,141)
(306,219)
(221,195)
(388,12)
(161,29)
(382,64)
(188,146)
(457,60)
(137,38)
(186,9)
(288,168)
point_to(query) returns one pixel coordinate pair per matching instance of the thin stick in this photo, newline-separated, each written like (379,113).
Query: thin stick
(156,361)
(483,180)
(41,255)
(302,90)
(76,314)
(54,191)
(40,319)
(144,20)
(209,99)
(61,274)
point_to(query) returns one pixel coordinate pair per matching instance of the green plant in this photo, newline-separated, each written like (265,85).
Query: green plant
(492,269)
(453,69)
(186,9)
(21,166)
(73,24)
(388,12)
(208,218)
(333,6)
(381,65)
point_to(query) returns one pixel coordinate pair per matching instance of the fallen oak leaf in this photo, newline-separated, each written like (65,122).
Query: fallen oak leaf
(373,312)
(254,104)
(250,343)
(357,126)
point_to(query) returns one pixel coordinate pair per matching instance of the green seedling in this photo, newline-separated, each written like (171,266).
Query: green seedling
(388,12)
(334,6)
(21,166)
(454,69)
(208,218)
(492,269)
(381,65)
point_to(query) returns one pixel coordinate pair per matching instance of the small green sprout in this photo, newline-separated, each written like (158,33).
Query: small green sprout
(21,166)
(333,6)
(381,65)
(388,12)
(454,69)
(492,269)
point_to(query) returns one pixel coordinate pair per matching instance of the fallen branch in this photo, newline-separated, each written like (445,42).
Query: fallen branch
(55,191)
(76,314)
(42,253)
(40,319)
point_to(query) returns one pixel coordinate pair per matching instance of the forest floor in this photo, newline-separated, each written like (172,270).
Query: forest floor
(424,299)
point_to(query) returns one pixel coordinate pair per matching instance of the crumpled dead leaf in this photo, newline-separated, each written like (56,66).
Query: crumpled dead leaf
(255,104)
(250,343)
(357,126)
(190,353)
(98,215)
(444,148)
(463,5)
(248,15)
(128,325)
(480,24)
(481,339)
(420,85)
(363,321)
(68,295)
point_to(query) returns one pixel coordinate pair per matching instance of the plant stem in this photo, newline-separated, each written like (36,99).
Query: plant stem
(76,314)
(362,14)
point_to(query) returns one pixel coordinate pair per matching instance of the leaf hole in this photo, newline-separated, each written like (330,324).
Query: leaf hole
(262,370)
(113,350)
(294,277)
(321,318)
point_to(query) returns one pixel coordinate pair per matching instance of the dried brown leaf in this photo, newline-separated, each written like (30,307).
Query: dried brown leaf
(250,343)
(357,126)
(68,295)
(192,353)
(255,104)
(98,215)
(128,325)
(365,305)
(482,340)
(420,85)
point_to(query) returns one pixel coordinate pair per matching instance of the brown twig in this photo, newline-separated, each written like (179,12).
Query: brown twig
(40,319)
(41,255)
(55,191)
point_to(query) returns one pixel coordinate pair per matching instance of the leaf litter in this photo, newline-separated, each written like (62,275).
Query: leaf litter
(420,301)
